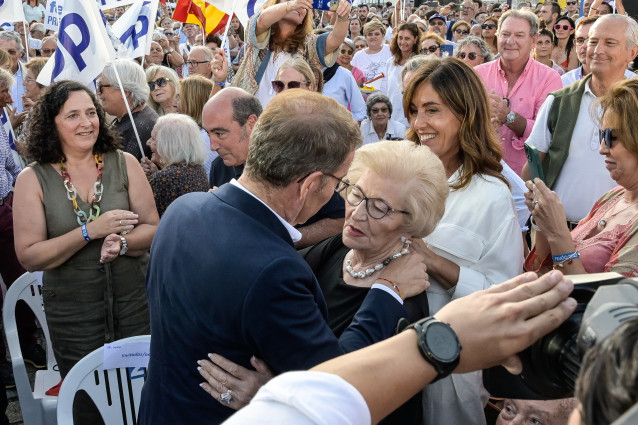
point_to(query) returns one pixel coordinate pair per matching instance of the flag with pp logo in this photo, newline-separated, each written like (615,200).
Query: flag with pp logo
(83,46)
(11,11)
(135,28)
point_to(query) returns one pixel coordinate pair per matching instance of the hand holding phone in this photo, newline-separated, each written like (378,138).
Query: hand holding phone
(534,160)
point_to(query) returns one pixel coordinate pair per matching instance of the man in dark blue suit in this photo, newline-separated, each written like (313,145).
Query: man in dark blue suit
(224,276)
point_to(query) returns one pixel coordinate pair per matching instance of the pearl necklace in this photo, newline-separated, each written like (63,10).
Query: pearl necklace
(365,273)
(603,221)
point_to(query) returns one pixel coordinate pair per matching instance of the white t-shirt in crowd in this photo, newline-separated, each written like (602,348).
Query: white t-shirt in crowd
(372,65)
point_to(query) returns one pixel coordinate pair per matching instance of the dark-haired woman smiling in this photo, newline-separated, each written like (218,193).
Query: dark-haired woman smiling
(84,213)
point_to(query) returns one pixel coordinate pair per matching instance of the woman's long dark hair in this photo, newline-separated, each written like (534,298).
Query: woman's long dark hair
(570,40)
(43,141)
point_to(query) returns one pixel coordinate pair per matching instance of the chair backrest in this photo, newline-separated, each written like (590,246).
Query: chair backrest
(115,392)
(27,288)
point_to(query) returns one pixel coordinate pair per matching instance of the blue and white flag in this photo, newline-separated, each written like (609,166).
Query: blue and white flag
(135,28)
(83,46)
(11,11)
(53,14)
(8,129)
(243,9)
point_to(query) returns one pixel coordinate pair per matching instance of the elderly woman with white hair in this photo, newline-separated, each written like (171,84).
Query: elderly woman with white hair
(378,125)
(474,51)
(177,149)
(136,92)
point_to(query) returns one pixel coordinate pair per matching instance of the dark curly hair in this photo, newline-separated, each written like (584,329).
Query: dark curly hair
(43,142)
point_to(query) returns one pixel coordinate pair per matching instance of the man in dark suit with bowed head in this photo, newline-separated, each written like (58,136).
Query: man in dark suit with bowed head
(224,276)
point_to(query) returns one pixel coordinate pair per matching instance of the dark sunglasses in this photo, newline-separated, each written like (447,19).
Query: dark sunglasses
(565,27)
(488,26)
(471,55)
(169,34)
(47,51)
(606,136)
(571,3)
(279,86)
(160,82)
(346,52)
(462,32)
(99,86)
(430,49)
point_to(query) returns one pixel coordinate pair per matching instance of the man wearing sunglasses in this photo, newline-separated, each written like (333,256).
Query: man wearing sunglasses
(245,290)
(572,7)
(49,44)
(566,135)
(516,83)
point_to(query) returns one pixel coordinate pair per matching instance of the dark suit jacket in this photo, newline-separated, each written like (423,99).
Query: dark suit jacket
(224,278)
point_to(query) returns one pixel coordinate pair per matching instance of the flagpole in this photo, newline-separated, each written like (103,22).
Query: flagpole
(225,39)
(26,38)
(128,109)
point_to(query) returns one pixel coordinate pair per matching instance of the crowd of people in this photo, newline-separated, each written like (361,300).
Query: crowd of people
(306,186)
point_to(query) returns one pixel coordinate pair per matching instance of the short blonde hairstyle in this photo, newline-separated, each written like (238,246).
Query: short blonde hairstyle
(179,140)
(417,169)
(373,25)
(194,92)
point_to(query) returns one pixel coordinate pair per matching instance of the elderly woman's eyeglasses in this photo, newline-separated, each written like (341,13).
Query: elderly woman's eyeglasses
(471,56)
(160,82)
(606,136)
(99,86)
(346,52)
(279,86)
(376,208)
(431,49)
(461,32)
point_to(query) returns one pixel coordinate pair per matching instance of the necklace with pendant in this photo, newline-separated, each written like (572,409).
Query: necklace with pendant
(72,193)
(603,221)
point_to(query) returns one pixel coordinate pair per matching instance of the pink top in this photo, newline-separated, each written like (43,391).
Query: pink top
(357,74)
(526,98)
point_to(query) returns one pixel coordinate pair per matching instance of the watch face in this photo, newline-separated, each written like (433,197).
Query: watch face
(442,342)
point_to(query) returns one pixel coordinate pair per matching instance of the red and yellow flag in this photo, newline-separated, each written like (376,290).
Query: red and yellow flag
(201,13)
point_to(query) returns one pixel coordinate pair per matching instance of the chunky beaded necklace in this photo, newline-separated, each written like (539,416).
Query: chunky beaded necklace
(72,193)
(365,273)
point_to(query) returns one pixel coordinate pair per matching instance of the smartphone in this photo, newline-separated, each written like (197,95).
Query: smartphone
(455,7)
(433,4)
(534,160)
(447,50)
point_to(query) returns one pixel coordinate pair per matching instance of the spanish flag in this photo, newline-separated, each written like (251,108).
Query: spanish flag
(201,13)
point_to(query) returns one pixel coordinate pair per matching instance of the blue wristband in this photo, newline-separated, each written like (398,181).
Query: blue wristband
(565,257)
(85,233)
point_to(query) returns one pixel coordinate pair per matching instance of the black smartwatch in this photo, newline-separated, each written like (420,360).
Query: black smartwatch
(439,345)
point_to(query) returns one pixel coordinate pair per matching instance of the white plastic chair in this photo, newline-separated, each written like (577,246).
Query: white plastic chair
(37,407)
(115,392)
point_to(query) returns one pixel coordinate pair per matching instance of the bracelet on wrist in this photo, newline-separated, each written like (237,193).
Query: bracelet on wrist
(394,286)
(85,234)
(342,19)
(568,258)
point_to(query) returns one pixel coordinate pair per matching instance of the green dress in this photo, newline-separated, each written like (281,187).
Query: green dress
(88,304)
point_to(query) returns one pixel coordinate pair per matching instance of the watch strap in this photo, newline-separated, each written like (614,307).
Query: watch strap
(442,368)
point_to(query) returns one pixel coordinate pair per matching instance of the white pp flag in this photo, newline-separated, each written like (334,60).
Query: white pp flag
(243,9)
(83,46)
(135,29)
(53,14)
(112,4)
(11,11)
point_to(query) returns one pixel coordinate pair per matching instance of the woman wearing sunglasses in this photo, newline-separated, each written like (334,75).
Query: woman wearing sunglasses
(294,74)
(488,33)
(474,51)
(564,53)
(164,86)
(378,125)
(431,44)
(346,52)
(460,30)
(607,239)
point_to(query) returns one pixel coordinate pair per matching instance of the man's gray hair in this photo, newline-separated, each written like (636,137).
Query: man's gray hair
(133,79)
(159,35)
(12,36)
(6,79)
(179,140)
(631,33)
(527,15)
(208,53)
(38,27)
(478,42)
